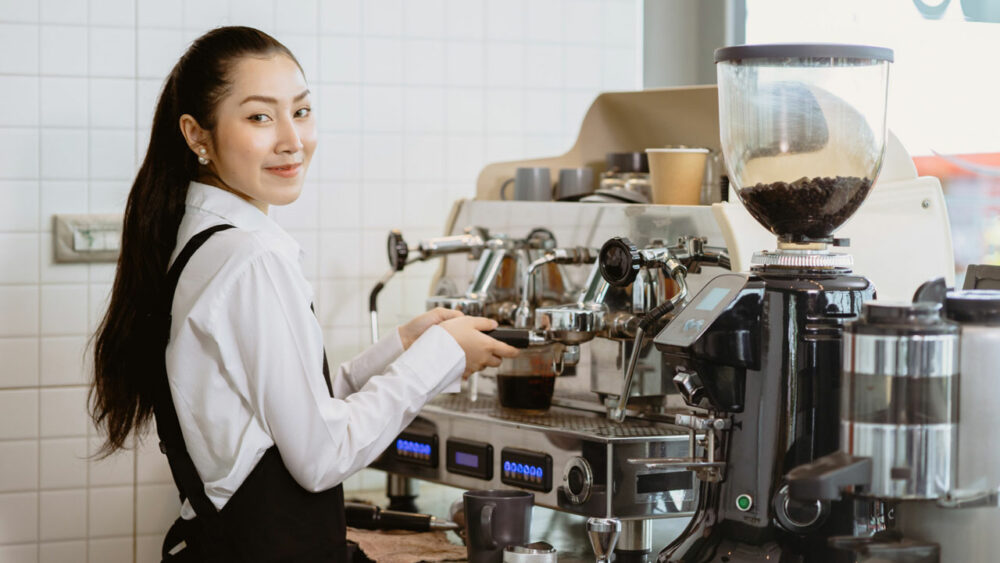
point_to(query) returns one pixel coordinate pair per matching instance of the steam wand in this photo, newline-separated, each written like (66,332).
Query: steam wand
(398,253)
(617,413)
(400,257)
(620,262)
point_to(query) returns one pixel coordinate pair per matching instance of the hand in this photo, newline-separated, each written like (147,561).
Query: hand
(480,350)
(411,331)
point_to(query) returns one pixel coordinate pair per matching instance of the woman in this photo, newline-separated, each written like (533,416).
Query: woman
(257,435)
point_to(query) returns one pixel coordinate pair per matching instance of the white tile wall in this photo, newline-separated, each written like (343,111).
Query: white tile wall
(18,517)
(413,98)
(18,466)
(63,463)
(62,515)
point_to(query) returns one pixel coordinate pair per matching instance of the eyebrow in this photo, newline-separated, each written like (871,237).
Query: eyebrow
(269,100)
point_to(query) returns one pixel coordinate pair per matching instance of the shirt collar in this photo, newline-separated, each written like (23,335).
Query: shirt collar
(239,213)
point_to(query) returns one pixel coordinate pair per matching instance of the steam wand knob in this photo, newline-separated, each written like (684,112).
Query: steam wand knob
(398,250)
(620,261)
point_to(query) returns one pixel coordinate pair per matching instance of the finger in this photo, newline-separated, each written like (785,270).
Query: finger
(494,361)
(482,323)
(441,314)
(503,350)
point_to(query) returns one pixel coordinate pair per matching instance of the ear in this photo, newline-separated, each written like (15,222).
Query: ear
(196,137)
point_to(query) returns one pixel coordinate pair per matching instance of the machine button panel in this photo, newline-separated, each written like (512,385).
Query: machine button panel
(419,449)
(466,457)
(526,469)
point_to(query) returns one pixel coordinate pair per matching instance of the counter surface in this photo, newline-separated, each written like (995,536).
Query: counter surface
(564,531)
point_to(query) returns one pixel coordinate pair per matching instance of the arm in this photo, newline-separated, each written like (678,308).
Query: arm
(278,344)
(352,375)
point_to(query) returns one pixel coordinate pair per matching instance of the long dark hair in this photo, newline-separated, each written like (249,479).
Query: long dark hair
(129,346)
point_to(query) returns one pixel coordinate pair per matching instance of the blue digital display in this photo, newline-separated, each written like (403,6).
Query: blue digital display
(523,470)
(468,460)
(526,468)
(712,298)
(408,446)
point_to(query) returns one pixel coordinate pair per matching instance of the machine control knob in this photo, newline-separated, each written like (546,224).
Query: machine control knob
(620,261)
(397,249)
(578,479)
(575,480)
(798,516)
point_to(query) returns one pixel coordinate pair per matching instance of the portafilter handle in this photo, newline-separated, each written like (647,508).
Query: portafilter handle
(603,534)
(517,337)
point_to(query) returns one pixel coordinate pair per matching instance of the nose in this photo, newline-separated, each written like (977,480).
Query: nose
(289,140)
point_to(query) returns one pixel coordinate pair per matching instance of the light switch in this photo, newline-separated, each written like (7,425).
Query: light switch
(87,238)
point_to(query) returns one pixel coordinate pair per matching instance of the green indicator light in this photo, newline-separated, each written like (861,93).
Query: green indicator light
(744,502)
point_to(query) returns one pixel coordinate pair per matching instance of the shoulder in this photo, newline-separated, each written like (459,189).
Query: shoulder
(236,249)
(236,256)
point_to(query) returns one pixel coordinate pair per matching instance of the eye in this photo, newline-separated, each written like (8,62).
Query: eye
(303,112)
(260,117)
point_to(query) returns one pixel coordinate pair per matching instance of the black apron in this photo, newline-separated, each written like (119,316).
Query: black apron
(270,518)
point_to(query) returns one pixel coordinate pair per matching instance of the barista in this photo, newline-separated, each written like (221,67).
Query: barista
(258,436)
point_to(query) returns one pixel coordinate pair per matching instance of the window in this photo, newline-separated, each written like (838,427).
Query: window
(943,92)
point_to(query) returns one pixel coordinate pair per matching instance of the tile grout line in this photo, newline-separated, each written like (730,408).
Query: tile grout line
(38,440)
(90,149)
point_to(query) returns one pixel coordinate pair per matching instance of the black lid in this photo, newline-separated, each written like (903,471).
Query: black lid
(922,312)
(976,306)
(627,162)
(803,51)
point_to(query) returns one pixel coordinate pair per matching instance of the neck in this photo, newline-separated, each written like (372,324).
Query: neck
(209,177)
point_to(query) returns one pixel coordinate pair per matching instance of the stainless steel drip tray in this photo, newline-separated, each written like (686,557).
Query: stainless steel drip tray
(568,458)
(557,419)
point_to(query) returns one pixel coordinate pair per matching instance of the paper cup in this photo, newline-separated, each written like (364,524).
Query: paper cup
(677,174)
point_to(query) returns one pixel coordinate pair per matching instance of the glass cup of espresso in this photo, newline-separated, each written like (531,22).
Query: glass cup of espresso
(526,383)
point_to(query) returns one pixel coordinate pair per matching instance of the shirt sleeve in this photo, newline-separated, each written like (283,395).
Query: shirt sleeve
(278,343)
(353,375)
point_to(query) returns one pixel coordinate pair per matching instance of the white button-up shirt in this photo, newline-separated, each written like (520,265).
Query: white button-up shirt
(245,361)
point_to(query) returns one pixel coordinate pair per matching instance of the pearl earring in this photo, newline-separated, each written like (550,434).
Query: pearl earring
(201,159)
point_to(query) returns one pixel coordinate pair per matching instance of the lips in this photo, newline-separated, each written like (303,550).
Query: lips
(285,171)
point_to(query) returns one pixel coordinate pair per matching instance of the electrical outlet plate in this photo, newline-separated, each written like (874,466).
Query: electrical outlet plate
(87,238)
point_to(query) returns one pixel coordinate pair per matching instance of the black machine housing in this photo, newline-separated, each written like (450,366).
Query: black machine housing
(765,350)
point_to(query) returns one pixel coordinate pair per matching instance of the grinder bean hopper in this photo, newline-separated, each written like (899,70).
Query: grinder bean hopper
(803,134)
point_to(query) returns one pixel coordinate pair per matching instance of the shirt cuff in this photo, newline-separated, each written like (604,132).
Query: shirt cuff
(436,359)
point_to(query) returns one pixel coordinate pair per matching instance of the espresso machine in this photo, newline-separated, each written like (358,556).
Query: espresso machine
(758,355)
(577,451)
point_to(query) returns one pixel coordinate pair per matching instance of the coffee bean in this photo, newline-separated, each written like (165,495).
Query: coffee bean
(805,208)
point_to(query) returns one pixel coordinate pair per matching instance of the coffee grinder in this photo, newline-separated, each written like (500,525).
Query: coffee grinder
(758,355)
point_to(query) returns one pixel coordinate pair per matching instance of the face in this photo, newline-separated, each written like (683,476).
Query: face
(264,134)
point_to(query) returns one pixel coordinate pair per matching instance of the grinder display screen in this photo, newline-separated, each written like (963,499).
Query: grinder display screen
(712,298)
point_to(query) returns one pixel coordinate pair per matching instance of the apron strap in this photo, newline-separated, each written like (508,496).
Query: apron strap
(182,468)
